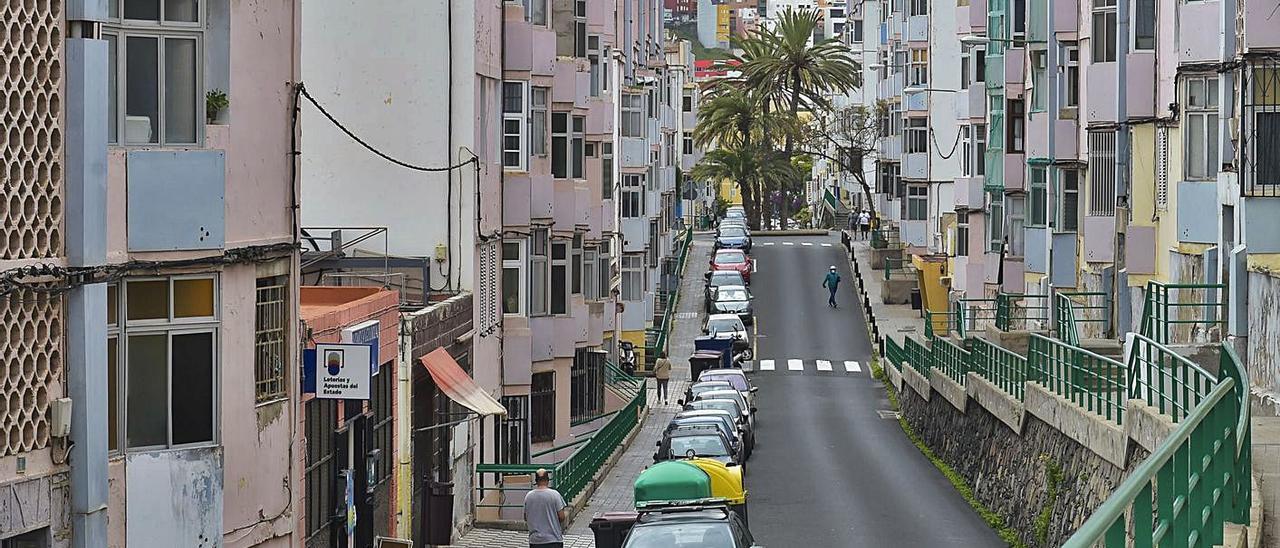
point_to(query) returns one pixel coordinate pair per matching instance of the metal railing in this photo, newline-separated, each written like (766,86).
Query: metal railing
(975,314)
(896,268)
(952,360)
(569,476)
(1007,370)
(1168,307)
(1019,310)
(1094,382)
(1073,308)
(893,352)
(918,355)
(940,323)
(663,330)
(1164,379)
(882,238)
(1195,482)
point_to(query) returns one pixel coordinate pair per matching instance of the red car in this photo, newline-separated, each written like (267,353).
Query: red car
(732,259)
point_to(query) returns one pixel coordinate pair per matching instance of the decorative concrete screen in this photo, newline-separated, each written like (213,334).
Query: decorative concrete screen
(30,102)
(31,365)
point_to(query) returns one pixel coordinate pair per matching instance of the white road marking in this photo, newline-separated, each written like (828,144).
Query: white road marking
(806,243)
(766,365)
(795,365)
(824,365)
(788,243)
(753,266)
(766,243)
(826,245)
(852,367)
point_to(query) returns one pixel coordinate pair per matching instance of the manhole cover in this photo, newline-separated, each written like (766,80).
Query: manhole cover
(887,414)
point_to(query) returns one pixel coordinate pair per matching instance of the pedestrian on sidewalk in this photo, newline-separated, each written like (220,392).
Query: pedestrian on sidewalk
(831,282)
(864,223)
(662,373)
(545,512)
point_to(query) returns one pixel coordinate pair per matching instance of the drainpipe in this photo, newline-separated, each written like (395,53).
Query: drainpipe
(1122,165)
(86,228)
(1051,108)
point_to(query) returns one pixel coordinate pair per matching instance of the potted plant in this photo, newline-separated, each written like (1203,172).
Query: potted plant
(215,101)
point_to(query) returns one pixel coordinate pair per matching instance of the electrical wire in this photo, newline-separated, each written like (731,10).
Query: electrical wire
(938,148)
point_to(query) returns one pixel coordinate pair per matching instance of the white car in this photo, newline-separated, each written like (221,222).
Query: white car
(730,326)
(735,377)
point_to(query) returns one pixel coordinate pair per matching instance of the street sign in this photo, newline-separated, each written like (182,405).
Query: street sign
(342,371)
(365,333)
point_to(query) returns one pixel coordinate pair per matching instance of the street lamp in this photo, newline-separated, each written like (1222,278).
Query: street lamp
(975,40)
(878,66)
(912,90)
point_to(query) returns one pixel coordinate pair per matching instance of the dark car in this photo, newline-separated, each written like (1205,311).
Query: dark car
(727,416)
(734,299)
(687,526)
(699,441)
(733,237)
(740,415)
(715,280)
(721,422)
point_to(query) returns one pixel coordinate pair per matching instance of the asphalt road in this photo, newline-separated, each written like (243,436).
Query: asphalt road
(827,469)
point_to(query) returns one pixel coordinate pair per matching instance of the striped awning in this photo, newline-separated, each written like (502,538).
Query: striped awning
(455,383)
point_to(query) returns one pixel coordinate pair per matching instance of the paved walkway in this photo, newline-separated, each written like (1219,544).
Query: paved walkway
(615,492)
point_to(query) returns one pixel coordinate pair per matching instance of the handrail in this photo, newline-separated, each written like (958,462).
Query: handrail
(898,268)
(1009,311)
(952,360)
(1166,380)
(938,323)
(1006,369)
(1064,315)
(1163,309)
(664,329)
(1094,382)
(893,352)
(1197,480)
(1073,308)
(918,356)
(974,314)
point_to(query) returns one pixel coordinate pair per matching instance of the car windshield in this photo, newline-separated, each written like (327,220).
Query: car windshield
(726,277)
(707,387)
(738,382)
(716,326)
(732,294)
(731,257)
(702,446)
(733,232)
(681,535)
(726,394)
(723,405)
(719,422)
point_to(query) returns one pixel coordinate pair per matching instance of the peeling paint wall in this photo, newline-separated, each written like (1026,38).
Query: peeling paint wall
(1263,356)
(179,498)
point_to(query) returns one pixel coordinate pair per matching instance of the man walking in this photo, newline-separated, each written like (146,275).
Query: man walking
(864,223)
(831,282)
(545,512)
(662,373)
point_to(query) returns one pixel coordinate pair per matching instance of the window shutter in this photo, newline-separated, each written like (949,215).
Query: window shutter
(1162,168)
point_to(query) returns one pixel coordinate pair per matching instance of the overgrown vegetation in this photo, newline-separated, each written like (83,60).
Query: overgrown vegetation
(1053,477)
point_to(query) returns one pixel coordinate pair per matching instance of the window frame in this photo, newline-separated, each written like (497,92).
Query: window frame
(1071,78)
(632,115)
(542,423)
(961,245)
(1016,123)
(1147,40)
(1103,45)
(520,120)
(1039,79)
(631,198)
(918,66)
(521,265)
(966,150)
(559,263)
(633,266)
(1207,114)
(1061,216)
(533,16)
(916,135)
(1016,215)
(577,146)
(262,393)
(1037,215)
(120,30)
(539,110)
(995,220)
(539,299)
(917,202)
(560,168)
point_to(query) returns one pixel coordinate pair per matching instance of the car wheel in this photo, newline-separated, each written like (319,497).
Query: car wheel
(748,354)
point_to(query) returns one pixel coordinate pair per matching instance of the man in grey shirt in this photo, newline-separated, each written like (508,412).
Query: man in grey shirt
(545,512)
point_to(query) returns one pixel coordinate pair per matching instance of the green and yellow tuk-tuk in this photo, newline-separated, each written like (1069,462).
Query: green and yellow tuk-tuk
(691,480)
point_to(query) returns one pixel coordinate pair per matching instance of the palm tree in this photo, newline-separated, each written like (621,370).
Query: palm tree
(784,64)
(748,168)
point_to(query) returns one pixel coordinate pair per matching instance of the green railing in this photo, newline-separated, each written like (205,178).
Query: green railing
(894,353)
(1165,380)
(1195,482)
(569,476)
(1093,382)
(882,238)
(952,360)
(1005,369)
(919,356)
(1073,308)
(1018,310)
(1199,307)
(975,314)
(940,323)
(663,330)
(898,269)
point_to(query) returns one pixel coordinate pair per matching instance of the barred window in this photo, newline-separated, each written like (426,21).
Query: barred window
(271,347)
(542,403)
(1102,173)
(321,471)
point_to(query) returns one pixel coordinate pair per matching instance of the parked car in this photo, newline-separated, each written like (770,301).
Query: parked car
(703,526)
(721,422)
(695,441)
(736,411)
(707,386)
(733,237)
(730,394)
(732,259)
(730,326)
(747,441)
(734,299)
(716,279)
(735,377)
(734,221)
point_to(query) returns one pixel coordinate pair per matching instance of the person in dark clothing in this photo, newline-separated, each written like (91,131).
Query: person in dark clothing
(831,282)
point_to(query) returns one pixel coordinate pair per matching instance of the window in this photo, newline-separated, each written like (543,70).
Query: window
(580,28)
(1068,200)
(919,70)
(559,278)
(918,7)
(980,149)
(632,115)
(538,272)
(1071,82)
(917,202)
(321,467)
(1017,125)
(962,234)
(595,62)
(542,406)
(995,220)
(165,395)
(1260,108)
(979,65)
(1201,135)
(606,168)
(1102,173)
(688,144)
(966,77)
(536,11)
(890,178)
(1039,79)
(575,265)
(1019,18)
(514,123)
(1104,31)
(966,151)
(857,31)
(381,403)
(653,242)
(633,277)
(579,139)
(156,77)
(271,348)
(917,138)
(895,118)
(1037,194)
(586,385)
(1017,225)
(560,145)
(686,102)
(590,278)
(605,270)
(513,277)
(632,196)
(513,431)
(1144,29)
(538,121)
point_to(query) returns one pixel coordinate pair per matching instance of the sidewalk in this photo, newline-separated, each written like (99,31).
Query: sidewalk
(615,492)
(896,321)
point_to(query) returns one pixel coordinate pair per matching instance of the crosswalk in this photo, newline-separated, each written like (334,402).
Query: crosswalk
(808,366)
(802,244)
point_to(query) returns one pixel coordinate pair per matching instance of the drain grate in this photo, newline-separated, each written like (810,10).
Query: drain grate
(887,414)
(686,315)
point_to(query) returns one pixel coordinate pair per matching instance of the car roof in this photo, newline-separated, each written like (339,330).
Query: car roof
(704,413)
(725,274)
(714,400)
(729,393)
(713,384)
(728,251)
(721,371)
(682,515)
(732,287)
(693,430)
(722,317)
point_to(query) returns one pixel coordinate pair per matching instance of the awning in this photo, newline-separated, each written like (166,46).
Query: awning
(455,383)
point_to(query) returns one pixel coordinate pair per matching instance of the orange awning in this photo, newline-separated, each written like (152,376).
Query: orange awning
(455,383)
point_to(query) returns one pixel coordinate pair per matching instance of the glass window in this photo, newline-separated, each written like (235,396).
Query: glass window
(1201,135)
(142,91)
(632,115)
(633,277)
(538,272)
(538,121)
(1017,126)
(1017,225)
(271,350)
(917,202)
(147,300)
(1068,203)
(512,277)
(559,145)
(158,85)
(579,129)
(559,279)
(1071,82)
(180,62)
(1037,194)
(962,234)
(193,298)
(1039,79)
(1104,31)
(148,382)
(1144,30)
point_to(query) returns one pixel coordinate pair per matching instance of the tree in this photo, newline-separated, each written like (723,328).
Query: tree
(733,118)
(846,137)
(744,165)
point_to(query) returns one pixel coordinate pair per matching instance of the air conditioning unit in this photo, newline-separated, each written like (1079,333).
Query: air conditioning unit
(945,281)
